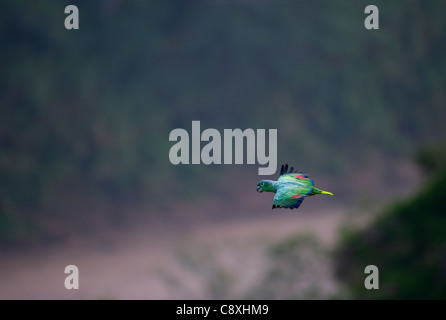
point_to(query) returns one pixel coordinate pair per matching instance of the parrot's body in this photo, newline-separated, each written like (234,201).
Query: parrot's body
(291,188)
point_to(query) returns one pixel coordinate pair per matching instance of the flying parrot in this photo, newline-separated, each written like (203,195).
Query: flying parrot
(291,188)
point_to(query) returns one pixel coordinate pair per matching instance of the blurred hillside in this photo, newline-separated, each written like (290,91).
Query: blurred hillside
(85,115)
(406,242)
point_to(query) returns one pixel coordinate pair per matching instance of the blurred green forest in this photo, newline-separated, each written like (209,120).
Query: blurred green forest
(85,114)
(407,242)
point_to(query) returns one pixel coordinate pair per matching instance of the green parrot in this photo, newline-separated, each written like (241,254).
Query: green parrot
(291,188)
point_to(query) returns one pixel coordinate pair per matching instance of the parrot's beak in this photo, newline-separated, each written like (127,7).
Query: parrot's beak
(259,189)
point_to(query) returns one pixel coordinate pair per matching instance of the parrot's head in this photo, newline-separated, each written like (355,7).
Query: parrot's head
(265,185)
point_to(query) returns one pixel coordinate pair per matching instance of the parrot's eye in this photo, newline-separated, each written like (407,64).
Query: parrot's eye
(262,184)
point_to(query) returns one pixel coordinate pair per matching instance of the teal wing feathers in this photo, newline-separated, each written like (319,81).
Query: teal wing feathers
(290,195)
(294,175)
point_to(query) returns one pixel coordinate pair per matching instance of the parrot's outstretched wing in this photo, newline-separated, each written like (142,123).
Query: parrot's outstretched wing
(288,198)
(294,175)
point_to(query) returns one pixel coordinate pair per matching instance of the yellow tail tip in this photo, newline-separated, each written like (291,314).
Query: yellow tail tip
(326,192)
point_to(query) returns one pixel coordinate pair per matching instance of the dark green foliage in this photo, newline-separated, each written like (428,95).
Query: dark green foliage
(407,242)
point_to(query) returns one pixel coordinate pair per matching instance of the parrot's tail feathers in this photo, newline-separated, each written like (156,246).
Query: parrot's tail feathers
(326,192)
